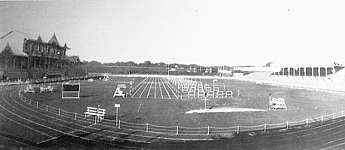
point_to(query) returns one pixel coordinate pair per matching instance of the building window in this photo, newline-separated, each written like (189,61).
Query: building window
(40,48)
(44,49)
(27,46)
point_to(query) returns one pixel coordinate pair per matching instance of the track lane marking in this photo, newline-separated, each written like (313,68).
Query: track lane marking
(165,88)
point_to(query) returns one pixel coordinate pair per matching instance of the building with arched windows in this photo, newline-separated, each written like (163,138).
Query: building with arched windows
(24,55)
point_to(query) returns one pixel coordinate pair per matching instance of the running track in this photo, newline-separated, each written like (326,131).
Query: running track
(156,88)
(36,128)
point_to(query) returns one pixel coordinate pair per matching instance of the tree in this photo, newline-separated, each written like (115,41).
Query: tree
(147,63)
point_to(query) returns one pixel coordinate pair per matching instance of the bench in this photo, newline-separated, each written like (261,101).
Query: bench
(29,89)
(93,111)
(46,89)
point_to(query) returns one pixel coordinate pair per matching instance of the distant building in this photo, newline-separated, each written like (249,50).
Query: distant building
(24,55)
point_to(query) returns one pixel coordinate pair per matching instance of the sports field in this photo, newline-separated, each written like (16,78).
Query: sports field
(155,116)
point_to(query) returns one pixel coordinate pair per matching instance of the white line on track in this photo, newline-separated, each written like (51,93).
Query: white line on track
(53,138)
(25,125)
(148,93)
(168,85)
(31,146)
(140,85)
(160,88)
(137,135)
(155,96)
(165,88)
(145,87)
(65,133)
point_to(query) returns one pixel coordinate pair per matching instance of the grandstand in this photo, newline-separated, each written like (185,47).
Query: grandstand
(323,76)
(24,55)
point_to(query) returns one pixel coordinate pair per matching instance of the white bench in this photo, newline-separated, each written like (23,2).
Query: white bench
(29,89)
(93,111)
(46,89)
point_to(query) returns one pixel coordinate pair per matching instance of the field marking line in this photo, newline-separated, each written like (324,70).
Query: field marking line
(143,136)
(333,146)
(14,114)
(18,142)
(160,88)
(56,137)
(165,88)
(168,85)
(65,133)
(145,87)
(148,93)
(25,125)
(141,84)
(139,107)
(110,131)
(155,95)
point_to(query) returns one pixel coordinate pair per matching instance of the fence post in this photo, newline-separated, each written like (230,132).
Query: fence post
(95,120)
(147,127)
(37,104)
(75,116)
(238,129)
(59,111)
(208,130)
(322,118)
(46,107)
(306,122)
(333,116)
(119,124)
(265,127)
(342,113)
(287,124)
(30,101)
(176,129)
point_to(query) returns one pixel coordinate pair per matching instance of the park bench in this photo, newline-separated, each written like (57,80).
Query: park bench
(46,89)
(29,89)
(93,111)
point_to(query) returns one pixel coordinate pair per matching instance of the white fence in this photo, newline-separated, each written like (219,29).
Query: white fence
(147,127)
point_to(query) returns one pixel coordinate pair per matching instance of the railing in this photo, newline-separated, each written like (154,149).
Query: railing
(181,130)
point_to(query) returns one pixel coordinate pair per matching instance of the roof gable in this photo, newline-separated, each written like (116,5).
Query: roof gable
(53,40)
(14,40)
(39,39)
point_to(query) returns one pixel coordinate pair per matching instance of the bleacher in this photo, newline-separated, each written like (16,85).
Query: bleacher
(16,74)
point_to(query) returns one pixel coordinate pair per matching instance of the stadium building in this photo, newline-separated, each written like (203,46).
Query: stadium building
(24,55)
(319,76)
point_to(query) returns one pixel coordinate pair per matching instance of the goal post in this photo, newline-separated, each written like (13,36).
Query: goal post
(70,90)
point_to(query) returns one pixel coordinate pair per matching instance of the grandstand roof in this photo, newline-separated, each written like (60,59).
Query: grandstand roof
(305,64)
(15,40)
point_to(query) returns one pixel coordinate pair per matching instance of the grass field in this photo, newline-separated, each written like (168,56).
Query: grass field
(148,108)
(152,119)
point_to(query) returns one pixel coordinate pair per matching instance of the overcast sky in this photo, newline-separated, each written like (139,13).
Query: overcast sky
(238,32)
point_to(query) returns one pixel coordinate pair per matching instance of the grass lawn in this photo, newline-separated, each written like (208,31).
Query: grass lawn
(301,104)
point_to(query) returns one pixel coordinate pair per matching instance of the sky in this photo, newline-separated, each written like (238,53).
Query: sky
(209,33)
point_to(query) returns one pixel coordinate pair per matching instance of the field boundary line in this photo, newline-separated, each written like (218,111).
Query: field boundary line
(160,88)
(168,85)
(148,93)
(139,85)
(144,87)
(165,88)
